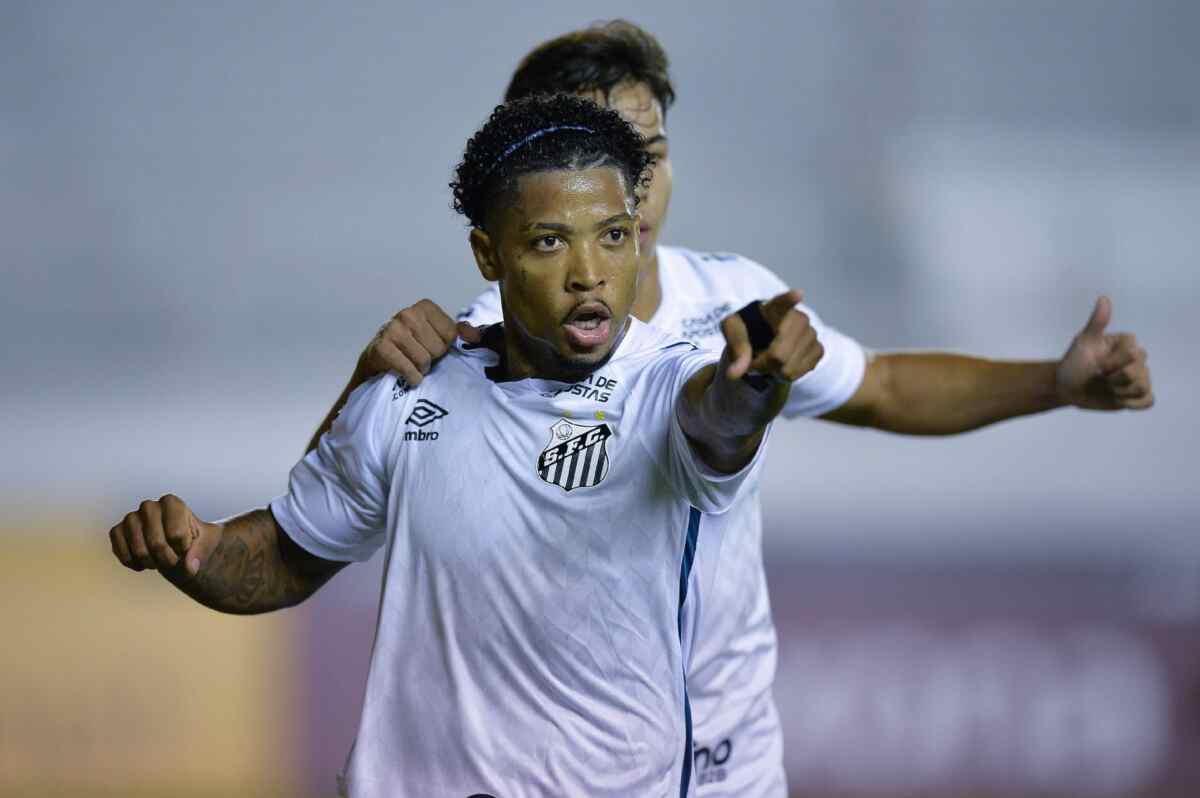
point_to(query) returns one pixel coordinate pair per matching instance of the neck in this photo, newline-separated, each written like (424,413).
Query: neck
(649,290)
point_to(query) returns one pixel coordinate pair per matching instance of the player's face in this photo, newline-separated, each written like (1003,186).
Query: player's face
(564,249)
(636,104)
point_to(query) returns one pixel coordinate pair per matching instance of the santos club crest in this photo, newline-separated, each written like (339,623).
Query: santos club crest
(575,456)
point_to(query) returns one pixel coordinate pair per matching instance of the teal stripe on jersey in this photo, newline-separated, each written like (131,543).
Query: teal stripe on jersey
(685,572)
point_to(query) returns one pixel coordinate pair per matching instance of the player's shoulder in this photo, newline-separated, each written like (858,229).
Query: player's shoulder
(371,413)
(646,342)
(458,371)
(717,273)
(648,354)
(464,367)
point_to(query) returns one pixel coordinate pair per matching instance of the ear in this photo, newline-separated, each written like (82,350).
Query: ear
(637,226)
(485,255)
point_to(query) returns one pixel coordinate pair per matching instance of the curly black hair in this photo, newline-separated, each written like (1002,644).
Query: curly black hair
(540,134)
(598,57)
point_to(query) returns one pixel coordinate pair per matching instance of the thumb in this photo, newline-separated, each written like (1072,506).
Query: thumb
(1100,317)
(776,308)
(203,546)
(469,333)
(738,351)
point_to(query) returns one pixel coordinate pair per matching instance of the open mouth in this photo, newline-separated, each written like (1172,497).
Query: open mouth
(587,326)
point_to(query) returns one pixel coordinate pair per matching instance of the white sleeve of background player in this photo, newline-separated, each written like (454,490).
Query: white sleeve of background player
(336,504)
(840,370)
(836,377)
(485,309)
(707,490)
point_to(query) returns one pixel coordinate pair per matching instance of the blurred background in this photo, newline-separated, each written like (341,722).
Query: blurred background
(206,210)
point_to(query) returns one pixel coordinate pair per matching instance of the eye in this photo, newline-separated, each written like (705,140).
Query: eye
(547,243)
(616,235)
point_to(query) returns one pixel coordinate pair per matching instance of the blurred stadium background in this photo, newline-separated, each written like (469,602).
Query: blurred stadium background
(206,209)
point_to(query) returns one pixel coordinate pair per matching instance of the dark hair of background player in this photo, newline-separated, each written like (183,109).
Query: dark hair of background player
(595,58)
(509,145)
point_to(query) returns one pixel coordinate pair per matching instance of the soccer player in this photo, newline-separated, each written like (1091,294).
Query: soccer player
(538,497)
(688,293)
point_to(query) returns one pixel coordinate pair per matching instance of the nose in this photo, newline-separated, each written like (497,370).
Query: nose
(586,271)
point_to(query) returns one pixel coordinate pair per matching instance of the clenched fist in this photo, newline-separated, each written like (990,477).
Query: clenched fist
(160,534)
(1104,371)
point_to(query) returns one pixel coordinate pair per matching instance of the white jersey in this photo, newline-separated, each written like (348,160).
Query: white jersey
(539,538)
(728,628)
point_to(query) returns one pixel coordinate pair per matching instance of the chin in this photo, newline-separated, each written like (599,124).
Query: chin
(583,364)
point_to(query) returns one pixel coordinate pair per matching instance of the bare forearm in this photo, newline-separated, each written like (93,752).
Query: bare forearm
(944,394)
(255,568)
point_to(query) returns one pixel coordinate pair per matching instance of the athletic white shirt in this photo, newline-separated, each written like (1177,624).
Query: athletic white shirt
(539,537)
(728,628)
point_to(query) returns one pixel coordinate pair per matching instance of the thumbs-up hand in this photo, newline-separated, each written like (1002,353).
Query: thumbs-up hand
(1102,370)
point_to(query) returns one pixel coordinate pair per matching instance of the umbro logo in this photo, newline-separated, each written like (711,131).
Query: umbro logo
(424,414)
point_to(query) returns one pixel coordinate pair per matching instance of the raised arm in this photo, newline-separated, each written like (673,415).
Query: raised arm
(724,409)
(409,345)
(934,393)
(245,565)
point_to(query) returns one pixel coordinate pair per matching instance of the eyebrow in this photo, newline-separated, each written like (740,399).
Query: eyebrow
(566,228)
(558,228)
(618,217)
(650,142)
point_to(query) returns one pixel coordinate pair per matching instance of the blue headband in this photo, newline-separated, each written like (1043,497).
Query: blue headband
(537,134)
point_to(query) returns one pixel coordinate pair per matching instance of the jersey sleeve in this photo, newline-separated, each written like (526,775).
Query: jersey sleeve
(840,370)
(705,489)
(336,504)
(836,376)
(485,309)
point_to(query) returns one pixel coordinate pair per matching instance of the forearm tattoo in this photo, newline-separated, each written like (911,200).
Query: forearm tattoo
(255,568)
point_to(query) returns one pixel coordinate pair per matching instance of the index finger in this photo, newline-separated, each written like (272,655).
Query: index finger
(177,523)
(442,324)
(152,532)
(1123,351)
(777,307)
